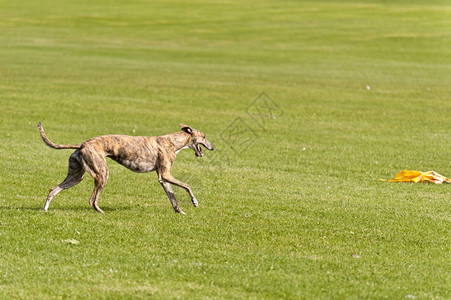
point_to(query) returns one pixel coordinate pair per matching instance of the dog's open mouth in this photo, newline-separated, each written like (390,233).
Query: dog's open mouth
(198,150)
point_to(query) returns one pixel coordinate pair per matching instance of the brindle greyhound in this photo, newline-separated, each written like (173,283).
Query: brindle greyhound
(137,153)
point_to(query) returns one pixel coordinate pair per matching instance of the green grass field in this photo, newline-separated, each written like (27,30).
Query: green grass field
(354,91)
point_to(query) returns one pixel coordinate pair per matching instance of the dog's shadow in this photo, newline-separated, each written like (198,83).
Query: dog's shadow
(62,209)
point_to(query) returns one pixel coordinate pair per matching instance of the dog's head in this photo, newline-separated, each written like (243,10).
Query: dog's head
(197,138)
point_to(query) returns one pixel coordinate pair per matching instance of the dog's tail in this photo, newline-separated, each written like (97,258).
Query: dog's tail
(53,145)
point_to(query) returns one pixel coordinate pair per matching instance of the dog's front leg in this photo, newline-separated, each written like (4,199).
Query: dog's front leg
(168,178)
(164,175)
(168,189)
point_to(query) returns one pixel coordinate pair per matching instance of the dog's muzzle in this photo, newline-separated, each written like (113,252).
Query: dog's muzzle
(198,149)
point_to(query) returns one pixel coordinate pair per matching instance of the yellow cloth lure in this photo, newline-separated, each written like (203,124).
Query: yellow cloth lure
(417,176)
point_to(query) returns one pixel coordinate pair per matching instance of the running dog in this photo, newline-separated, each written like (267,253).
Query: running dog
(137,153)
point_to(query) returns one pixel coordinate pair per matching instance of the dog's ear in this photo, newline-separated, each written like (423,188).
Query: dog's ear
(186,128)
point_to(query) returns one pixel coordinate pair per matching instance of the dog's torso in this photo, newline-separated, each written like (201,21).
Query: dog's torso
(137,153)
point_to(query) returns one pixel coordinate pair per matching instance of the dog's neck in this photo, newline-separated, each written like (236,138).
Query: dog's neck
(180,140)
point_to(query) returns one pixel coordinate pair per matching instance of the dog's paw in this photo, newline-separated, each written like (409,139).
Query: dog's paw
(178,210)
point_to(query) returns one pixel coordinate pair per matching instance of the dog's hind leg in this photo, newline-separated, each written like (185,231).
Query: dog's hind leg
(168,189)
(96,166)
(99,184)
(75,174)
